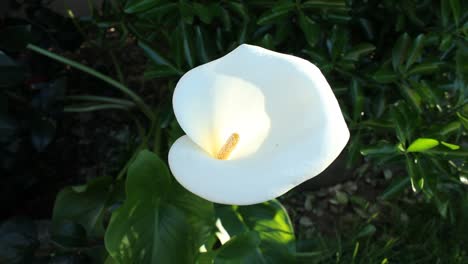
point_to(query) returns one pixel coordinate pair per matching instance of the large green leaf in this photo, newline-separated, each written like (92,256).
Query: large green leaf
(159,222)
(243,248)
(84,205)
(271,224)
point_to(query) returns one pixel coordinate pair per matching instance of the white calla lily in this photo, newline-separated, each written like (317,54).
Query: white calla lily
(258,123)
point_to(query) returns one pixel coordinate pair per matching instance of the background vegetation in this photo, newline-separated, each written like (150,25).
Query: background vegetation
(398,68)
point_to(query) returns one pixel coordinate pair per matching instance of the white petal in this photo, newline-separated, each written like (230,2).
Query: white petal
(288,120)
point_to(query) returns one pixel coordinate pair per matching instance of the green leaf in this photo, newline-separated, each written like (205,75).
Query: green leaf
(442,206)
(385,75)
(276,13)
(412,97)
(325,4)
(456,10)
(358,51)
(187,11)
(243,248)
(69,234)
(338,40)
(157,58)
(84,205)
(396,188)
(404,121)
(445,12)
(422,144)
(187,46)
(368,230)
(463,119)
(450,146)
(271,223)
(449,128)
(310,29)
(200,44)
(270,220)
(357,99)
(424,68)
(198,212)
(147,229)
(159,71)
(159,222)
(380,149)
(205,12)
(400,51)
(416,50)
(137,6)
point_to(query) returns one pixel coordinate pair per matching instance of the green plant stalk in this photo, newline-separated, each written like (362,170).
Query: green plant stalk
(117,67)
(81,109)
(102,99)
(137,99)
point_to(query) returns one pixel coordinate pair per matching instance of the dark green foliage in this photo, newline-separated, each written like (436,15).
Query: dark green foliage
(400,62)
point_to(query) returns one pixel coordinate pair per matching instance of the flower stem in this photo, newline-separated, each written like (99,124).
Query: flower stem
(137,99)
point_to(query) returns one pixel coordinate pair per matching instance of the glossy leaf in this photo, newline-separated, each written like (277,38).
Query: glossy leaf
(450,146)
(385,75)
(456,10)
(269,221)
(84,205)
(379,149)
(136,6)
(396,188)
(337,42)
(357,99)
(416,51)
(358,51)
(157,58)
(243,248)
(463,120)
(331,4)
(400,51)
(310,29)
(159,221)
(277,12)
(422,144)
(424,68)
(146,229)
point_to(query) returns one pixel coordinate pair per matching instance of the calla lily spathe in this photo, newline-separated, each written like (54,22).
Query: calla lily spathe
(280,111)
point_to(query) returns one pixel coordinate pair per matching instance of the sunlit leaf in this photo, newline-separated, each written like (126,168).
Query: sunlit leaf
(422,144)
